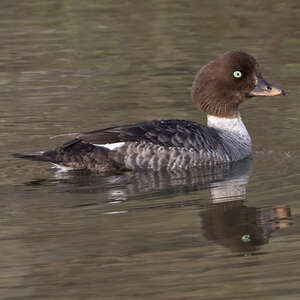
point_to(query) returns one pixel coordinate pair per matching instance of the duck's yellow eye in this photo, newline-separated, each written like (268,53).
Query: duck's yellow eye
(237,74)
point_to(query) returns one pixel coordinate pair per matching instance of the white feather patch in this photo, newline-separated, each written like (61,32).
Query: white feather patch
(110,146)
(62,168)
(231,125)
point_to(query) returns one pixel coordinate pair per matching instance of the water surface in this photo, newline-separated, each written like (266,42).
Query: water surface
(73,66)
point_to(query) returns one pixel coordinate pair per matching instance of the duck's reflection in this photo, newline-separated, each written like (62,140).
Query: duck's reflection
(225,218)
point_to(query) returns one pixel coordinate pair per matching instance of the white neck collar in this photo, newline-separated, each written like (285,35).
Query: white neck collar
(230,125)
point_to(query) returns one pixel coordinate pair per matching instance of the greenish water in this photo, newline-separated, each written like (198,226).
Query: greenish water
(71,66)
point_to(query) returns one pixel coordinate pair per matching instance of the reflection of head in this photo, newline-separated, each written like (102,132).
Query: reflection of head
(230,223)
(241,228)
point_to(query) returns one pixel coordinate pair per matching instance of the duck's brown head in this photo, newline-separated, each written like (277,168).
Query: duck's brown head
(221,85)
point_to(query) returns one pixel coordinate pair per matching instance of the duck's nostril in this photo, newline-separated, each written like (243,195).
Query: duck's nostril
(269,87)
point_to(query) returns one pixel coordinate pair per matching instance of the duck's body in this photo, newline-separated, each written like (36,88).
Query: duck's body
(173,144)
(156,145)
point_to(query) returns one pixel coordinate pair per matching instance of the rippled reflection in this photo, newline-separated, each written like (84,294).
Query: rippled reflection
(226,218)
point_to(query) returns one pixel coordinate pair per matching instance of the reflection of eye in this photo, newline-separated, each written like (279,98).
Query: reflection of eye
(237,74)
(246,238)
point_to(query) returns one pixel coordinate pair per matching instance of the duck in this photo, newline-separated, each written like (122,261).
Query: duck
(218,89)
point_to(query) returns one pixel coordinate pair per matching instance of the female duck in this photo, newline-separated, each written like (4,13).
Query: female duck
(218,90)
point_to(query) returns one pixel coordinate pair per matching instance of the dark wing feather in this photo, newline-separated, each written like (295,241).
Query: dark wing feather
(168,133)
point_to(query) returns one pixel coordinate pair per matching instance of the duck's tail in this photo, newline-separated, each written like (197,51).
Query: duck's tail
(78,156)
(48,156)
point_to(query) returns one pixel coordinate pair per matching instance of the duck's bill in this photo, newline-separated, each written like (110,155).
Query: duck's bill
(263,88)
